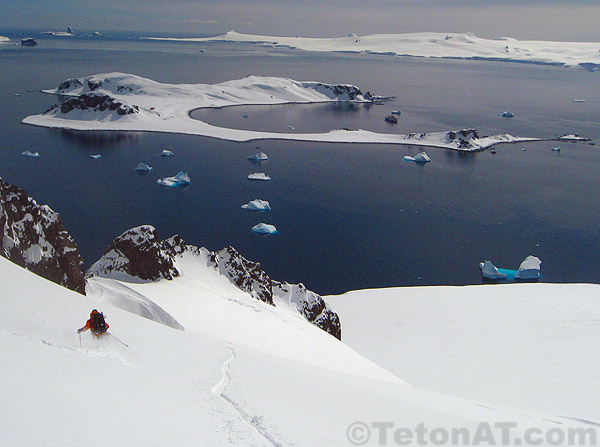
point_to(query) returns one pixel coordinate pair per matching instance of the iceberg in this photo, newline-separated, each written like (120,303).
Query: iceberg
(507,114)
(529,269)
(95,156)
(166,153)
(143,167)
(257,205)
(261,156)
(259,176)
(263,228)
(419,158)
(181,179)
(556,149)
(30,154)
(490,271)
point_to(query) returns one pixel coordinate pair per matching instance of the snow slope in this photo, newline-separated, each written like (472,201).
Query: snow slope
(242,373)
(521,345)
(118,101)
(442,45)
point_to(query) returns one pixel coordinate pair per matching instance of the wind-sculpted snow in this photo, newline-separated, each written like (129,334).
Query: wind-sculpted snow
(139,255)
(120,102)
(435,45)
(35,238)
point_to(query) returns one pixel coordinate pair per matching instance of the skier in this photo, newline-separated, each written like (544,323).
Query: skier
(96,324)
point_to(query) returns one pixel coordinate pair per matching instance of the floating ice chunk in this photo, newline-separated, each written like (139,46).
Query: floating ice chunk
(573,137)
(579,100)
(507,114)
(261,156)
(263,228)
(556,149)
(143,167)
(257,205)
(181,179)
(95,156)
(291,127)
(166,153)
(419,158)
(259,176)
(30,154)
(529,268)
(490,271)
(202,50)
(244,116)
(396,112)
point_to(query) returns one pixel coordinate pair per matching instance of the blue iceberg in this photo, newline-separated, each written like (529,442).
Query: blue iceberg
(143,167)
(261,156)
(263,228)
(257,205)
(166,153)
(490,271)
(419,158)
(30,154)
(181,179)
(529,270)
(507,114)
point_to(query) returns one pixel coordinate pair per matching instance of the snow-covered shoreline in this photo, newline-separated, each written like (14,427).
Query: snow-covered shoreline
(124,102)
(432,45)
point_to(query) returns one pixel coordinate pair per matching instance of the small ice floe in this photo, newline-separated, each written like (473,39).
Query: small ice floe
(258,176)
(523,149)
(95,156)
(181,179)
(556,149)
(579,100)
(263,228)
(507,114)
(244,116)
(529,270)
(166,153)
(419,158)
(391,119)
(143,167)
(490,271)
(261,156)
(396,112)
(573,137)
(202,50)
(30,154)
(291,127)
(257,205)
(17,94)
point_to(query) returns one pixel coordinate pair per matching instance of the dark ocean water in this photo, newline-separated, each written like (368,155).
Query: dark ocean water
(350,216)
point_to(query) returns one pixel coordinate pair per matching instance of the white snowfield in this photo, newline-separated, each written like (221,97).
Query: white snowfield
(521,345)
(436,45)
(243,373)
(166,108)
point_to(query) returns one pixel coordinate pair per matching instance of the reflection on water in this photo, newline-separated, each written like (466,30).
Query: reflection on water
(96,139)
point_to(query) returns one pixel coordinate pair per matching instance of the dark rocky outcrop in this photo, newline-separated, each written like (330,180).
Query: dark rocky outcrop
(463,138)
(95,102)
(140,253)
(35,238)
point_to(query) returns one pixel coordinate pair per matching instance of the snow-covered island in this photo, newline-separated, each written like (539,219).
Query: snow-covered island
(118,101)
(435,45)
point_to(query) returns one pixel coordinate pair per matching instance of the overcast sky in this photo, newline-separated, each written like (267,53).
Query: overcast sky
(533,19)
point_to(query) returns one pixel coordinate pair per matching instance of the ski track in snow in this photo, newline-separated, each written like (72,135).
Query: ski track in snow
(254,421)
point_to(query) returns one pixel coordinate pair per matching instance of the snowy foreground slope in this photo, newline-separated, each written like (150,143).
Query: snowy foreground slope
(522,345)
(118,101)
(443,45)
(240,373)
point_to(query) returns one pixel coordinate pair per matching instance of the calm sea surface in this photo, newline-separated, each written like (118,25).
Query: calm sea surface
(350,215)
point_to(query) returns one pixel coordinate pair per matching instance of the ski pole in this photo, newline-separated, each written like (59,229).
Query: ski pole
(79,333)
(124,344)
